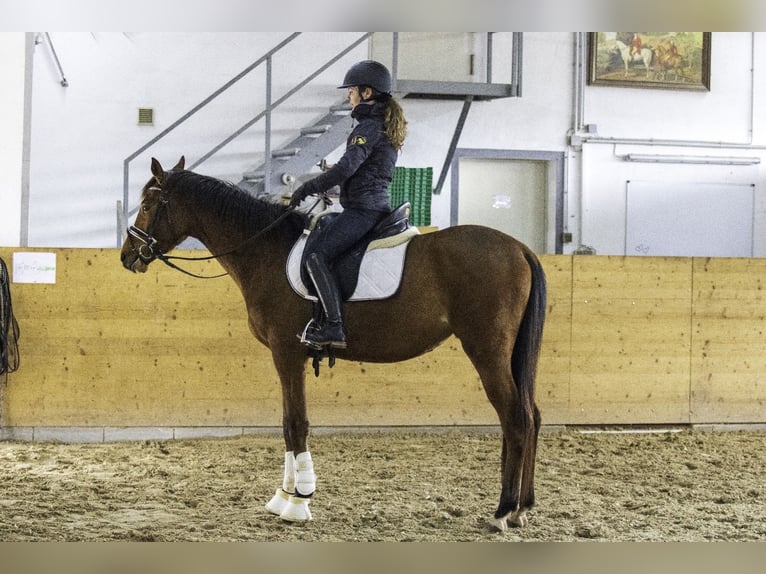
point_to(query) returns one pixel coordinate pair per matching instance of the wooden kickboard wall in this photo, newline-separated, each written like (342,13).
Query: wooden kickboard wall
(629,340)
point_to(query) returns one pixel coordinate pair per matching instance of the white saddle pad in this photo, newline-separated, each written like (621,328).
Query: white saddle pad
(379,275)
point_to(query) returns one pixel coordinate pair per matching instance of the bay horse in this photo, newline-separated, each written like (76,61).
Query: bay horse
(481,285)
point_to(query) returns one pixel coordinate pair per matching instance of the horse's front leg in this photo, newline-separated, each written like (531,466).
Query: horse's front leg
(291,501)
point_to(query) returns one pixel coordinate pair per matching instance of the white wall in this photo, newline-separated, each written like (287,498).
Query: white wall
(727,121)
(12,73)
(81,134)
(539,120)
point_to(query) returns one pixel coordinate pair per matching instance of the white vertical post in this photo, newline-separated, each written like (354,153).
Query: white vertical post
(13,119)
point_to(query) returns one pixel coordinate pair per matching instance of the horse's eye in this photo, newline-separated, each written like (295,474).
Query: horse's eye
(145,208)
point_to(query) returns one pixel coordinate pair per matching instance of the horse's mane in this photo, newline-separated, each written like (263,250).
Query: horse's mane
(231,203)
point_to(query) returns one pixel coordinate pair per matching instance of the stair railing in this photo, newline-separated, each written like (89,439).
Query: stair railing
(124,212)
(271,106)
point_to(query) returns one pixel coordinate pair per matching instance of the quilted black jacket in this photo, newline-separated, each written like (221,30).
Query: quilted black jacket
(367,166)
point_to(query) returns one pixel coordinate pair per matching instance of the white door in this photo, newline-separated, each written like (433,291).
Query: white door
(505,194)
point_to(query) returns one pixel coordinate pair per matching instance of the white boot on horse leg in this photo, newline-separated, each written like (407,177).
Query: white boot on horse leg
(281,498)
(297,508)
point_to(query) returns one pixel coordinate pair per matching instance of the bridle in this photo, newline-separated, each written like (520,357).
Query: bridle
(148,249)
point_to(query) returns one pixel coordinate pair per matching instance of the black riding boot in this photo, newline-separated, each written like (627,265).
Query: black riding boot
(330,333)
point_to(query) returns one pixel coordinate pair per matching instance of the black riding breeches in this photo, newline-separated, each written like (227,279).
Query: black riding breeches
(343,232)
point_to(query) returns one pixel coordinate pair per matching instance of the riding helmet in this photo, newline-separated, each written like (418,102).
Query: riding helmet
(368,73)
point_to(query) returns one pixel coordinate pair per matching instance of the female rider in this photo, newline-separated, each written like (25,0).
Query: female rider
(363,174)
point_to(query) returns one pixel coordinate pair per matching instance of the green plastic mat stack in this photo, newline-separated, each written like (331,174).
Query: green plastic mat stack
(413,184)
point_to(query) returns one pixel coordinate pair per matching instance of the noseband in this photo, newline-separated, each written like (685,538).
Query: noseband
(147,250)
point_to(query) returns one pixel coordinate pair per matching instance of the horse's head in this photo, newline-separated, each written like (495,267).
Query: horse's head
(153,232)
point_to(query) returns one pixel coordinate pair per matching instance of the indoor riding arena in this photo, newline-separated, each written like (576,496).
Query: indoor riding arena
(140,407)
(143,409)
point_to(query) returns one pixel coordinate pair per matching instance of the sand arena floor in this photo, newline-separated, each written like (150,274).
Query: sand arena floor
(388,486)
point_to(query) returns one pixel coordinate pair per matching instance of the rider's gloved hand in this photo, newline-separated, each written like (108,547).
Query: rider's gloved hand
(305,190)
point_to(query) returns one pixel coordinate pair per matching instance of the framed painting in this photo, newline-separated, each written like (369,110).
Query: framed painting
(662,60)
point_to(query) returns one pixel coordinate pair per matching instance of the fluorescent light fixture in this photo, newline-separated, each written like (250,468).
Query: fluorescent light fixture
(695,159)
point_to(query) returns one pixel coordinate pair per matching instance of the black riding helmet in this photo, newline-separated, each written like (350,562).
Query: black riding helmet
(368,73)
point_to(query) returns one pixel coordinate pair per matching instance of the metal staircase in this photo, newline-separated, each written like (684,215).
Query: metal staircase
(297,157)
(287,165)
(282,167)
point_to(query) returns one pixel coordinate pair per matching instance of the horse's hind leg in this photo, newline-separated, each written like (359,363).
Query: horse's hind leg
(511,479)
(497,379)
(527,495)
(516,452)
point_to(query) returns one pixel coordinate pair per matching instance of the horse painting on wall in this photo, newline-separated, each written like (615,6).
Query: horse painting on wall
(665,60)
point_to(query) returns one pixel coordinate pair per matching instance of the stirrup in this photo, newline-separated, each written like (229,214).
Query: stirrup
(311,327)
(332,343)
(324,345)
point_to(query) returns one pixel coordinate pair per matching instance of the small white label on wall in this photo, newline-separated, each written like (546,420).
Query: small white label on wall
(34,267)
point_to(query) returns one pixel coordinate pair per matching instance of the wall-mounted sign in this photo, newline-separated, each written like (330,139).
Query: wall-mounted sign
(29,267)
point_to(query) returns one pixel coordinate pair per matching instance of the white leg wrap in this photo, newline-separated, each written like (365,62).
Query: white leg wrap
(291,502)
(305,479)
(281,498)
(288,482)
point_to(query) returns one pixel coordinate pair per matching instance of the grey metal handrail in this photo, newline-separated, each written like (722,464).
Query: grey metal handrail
(270,106)
(266,59)
(126,162)
(123,209)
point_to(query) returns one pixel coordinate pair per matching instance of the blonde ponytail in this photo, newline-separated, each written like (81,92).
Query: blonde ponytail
(395,123)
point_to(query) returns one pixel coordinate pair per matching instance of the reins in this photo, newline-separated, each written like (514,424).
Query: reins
(166,259)
(147,251)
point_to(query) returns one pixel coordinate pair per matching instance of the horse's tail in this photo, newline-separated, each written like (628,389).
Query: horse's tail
(526,351)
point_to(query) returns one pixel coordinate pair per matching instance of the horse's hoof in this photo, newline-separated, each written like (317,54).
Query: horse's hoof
(519,519)
(297,510)
(498,523)
(278,502)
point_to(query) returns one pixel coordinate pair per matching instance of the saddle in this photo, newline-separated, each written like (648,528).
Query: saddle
(372,269)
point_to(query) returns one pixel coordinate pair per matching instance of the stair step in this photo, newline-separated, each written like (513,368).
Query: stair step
(316,130)
(287,152)
(299,155)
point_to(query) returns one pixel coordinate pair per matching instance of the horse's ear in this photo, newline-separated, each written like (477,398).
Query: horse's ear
(157,171)
(180,165)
